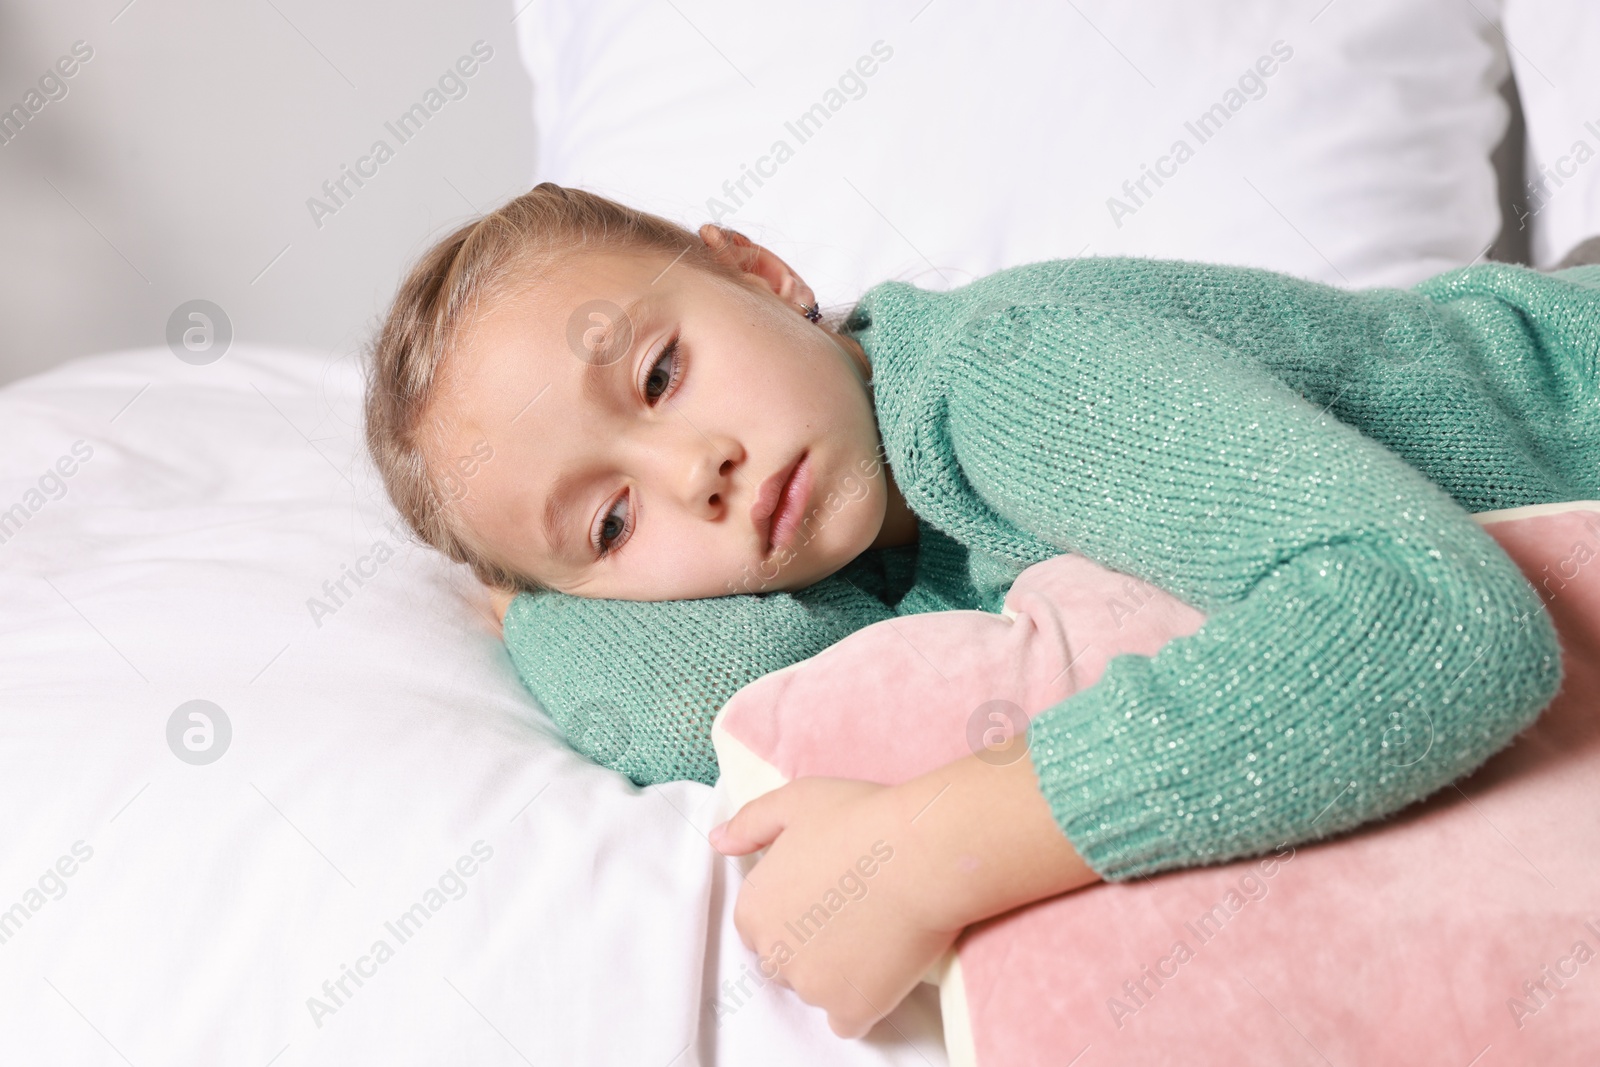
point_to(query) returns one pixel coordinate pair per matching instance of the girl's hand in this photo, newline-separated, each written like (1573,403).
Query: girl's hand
(865,886)
(827,910)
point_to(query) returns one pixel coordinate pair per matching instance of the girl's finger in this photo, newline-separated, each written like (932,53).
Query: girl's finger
(753,826)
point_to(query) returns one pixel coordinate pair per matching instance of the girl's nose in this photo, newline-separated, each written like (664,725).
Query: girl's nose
(705,472)
(712,479)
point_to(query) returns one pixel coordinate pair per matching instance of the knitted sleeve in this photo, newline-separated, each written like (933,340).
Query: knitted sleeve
(1367,642)
(634,684)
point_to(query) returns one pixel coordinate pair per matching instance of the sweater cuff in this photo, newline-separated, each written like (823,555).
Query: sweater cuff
(1098,783)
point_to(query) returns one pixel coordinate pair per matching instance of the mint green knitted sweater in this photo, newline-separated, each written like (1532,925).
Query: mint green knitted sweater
(1296,460)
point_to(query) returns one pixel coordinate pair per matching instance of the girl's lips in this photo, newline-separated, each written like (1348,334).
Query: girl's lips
(775,502)
(791,506)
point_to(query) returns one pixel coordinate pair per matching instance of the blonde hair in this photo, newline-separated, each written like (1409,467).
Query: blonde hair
(462,275)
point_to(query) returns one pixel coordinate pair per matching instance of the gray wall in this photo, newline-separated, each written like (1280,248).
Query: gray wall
(179,161)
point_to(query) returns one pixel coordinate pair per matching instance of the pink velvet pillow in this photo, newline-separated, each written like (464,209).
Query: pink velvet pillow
(1463,930)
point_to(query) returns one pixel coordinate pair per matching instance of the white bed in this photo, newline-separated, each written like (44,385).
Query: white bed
(370,749)
(378,732)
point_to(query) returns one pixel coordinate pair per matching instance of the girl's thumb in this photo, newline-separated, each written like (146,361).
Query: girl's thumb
(754,826)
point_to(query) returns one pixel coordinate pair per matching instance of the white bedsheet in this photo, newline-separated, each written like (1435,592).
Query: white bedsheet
(377,742)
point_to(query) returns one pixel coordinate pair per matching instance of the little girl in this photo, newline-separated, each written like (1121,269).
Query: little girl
(687,477)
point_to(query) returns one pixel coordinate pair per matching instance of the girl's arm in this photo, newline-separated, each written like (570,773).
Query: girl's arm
(985,840)
(1367,642)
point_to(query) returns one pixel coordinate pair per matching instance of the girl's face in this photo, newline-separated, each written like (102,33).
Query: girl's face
(619,453)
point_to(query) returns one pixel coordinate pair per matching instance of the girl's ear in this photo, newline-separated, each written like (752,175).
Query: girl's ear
(737,250)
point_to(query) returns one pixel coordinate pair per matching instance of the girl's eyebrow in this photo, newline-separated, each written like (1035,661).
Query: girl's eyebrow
(558,514)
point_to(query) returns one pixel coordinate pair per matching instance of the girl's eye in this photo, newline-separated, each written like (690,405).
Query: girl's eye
(609,525)
(658,382)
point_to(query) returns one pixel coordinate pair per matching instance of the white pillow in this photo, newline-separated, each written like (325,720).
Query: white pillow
(1556,60)
(960,139)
